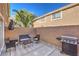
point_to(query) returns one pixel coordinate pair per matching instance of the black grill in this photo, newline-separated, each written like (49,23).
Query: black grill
(69,44)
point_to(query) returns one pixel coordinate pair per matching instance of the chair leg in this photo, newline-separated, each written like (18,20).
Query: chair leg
(24,46)
(6,50)
(15,48)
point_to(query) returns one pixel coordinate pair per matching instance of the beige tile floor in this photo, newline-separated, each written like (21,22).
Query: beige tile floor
(39,49)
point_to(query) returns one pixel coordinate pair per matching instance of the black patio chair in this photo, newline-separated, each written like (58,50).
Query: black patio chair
(37,38)
(10,44)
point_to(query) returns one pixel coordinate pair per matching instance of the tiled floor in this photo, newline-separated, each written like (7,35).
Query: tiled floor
(39,49)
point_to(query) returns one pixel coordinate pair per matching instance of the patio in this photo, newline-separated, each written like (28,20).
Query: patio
(34,49)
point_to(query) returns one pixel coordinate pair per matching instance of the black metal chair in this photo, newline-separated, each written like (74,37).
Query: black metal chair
(7,44)
(37,38)
(10,44)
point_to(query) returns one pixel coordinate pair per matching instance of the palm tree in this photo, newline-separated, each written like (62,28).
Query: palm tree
(24,17)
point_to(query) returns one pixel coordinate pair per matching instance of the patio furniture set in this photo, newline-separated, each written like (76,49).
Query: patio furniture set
(23,40)
(70,43)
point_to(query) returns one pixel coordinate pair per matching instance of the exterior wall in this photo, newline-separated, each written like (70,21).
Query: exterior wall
(4,10)
(4,15)
(69,17)
(49,34)
(14,34)
(1,33)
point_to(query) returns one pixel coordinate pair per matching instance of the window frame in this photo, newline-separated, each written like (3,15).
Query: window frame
(57,18)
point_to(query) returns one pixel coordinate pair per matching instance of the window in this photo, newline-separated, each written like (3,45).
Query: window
(57,15)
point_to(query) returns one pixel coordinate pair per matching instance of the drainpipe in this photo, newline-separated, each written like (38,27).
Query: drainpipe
(3,33)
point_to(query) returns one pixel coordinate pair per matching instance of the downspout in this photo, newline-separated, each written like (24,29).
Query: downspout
(3,33)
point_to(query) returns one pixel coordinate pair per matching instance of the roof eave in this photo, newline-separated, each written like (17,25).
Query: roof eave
(60,9)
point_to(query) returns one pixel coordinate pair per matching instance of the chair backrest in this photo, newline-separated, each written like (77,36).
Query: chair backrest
(7,40)
(23,37)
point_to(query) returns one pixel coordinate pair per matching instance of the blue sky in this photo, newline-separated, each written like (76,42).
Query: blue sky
(36,8)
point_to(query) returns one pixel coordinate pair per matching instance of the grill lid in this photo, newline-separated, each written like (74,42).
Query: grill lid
(69,39)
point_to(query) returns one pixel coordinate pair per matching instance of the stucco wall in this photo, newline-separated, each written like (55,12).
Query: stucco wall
(69,17)
(49,34)
(14,34)
(4,10)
